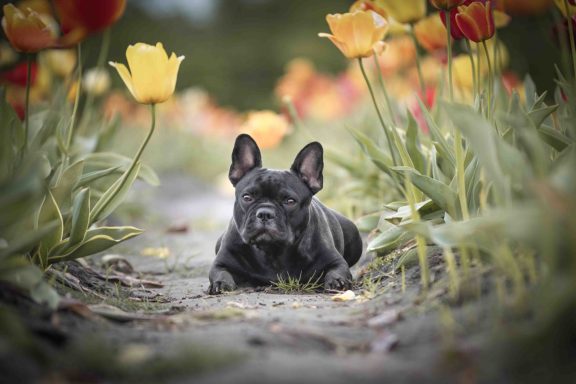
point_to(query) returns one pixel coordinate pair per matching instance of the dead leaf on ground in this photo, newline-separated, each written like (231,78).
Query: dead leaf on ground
(344,296)
(159,252)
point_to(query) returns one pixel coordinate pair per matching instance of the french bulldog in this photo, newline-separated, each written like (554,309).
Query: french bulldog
(279,229)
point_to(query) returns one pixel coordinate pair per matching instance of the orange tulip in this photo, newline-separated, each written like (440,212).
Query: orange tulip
(357,34)
(446,4)
(266,127)
(27,30)
(404,11)
(526,7)
(367,5)
(476,21)
(430,33)
(81,17)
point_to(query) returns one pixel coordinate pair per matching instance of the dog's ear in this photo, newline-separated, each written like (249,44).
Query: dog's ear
(308,166)
(245,157)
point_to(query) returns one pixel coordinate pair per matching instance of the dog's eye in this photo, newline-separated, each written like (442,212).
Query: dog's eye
(247,198)
(289,201)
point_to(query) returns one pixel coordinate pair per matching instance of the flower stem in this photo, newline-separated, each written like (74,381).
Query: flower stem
(571,37)
(133,164)
(490,81)
(146,140)
(383,87)
(473,64)
(104,48)
(449,51)
(384,126)
(70,133)
(27,101)
(418,61)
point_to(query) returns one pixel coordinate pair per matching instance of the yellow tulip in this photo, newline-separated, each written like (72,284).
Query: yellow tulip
(404,11)
(152,75)
(562,7)
(266,127)
(431,33)
(357,34)
(96,81)
(61,62)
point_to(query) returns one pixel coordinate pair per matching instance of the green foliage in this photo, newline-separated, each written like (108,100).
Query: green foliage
(54,196)
(292,284)
(520,177)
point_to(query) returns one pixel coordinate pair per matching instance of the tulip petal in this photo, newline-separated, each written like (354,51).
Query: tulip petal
(125,76)
(339,44)
(148,67)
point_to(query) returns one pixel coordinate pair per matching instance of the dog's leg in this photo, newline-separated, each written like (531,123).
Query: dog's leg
(221,280)
(338,277)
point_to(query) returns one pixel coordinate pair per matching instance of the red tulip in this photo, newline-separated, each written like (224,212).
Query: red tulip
(454,30)
(476,21)
(17,74)
(78,18)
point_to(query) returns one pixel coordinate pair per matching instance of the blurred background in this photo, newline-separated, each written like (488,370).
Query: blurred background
(244,56)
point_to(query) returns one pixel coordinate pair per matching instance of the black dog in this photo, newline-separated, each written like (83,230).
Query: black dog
(279,228)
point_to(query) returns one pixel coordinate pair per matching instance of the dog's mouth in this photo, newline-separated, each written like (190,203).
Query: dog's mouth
(264,235)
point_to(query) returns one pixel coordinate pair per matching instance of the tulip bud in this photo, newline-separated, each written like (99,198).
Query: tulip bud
(96,81)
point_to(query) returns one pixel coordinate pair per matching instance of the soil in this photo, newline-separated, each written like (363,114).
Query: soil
(167,328)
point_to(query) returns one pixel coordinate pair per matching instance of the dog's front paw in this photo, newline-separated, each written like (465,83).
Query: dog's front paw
(337,280)
(222,281)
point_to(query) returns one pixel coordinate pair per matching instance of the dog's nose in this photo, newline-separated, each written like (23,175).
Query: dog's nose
(265,214)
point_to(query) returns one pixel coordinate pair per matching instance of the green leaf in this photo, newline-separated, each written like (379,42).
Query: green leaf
(377,155)
(553,138)
(96,240)
(538,116)
(90,177)
(388,240)
(106,160)
(441,144)
(80,216)
(412,145)
(26,241)
(19,272)
(368,222)
(48,213)
(504,164)
(62,191)
(438,192)
(114,196)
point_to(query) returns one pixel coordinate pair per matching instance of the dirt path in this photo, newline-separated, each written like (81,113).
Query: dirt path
(267,336)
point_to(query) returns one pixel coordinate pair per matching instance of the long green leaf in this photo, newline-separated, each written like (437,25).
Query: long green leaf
(504,164)
(438,192)
(106,160)
(412,145)
(97,240)
(80,216)
(48,213)
(114,196)
(378,157)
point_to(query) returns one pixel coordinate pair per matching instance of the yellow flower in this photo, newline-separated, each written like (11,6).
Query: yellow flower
(61,62)
(566,12)
(431,33)
(404,11)
(96,81)
(152,75)
(27,30)
(266,127)
(357,34)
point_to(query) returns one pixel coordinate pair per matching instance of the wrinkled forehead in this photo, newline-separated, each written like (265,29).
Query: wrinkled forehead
(271,182)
